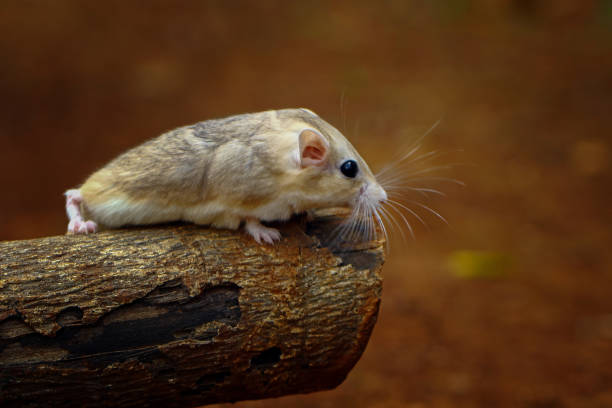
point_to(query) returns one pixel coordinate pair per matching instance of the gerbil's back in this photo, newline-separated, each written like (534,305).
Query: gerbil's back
(169,168)
(188,165)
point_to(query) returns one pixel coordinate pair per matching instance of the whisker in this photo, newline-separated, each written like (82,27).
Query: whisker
(425,157)
(393,222)
(401,174)
(355,223)
(429,155)
(375,225)
(348,226)
(339,233)
(435,125)
(366,222)
(445,179)
(399,191)
(382,225)
(403,218)
(410,210)
(417,145)
(430,210)
(394,163)
(403,171)
(435,168)
(359,231)
(398,187)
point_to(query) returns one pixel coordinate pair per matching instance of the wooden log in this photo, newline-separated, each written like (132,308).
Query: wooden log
(181,315)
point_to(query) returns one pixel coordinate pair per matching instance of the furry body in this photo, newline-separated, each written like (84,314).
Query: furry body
(253,167)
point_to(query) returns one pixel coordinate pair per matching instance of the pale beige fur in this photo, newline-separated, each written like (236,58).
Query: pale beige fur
(226,171)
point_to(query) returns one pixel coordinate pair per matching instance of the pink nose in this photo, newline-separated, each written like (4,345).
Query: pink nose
(384,194)
(373,192)
(378,193)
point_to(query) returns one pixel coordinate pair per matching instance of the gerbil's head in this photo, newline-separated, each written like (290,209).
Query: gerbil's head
(326,171)
(330,171)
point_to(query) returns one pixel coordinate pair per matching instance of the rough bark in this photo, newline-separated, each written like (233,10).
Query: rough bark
(182,316)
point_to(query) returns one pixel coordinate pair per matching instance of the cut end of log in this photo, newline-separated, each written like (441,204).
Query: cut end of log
(182,315)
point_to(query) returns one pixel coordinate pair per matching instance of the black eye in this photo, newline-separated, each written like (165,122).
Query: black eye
(349,168)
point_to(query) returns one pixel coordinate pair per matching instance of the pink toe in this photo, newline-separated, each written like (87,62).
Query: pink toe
(78,226)
(73,227)
(91,226)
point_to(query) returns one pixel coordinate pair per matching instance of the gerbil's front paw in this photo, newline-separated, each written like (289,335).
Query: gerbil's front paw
(81,227)
(261,232)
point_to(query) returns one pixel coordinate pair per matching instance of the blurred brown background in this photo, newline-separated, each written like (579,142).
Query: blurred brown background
(511,305)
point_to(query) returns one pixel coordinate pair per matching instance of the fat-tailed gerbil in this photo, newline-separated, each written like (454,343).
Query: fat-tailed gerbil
(247,168)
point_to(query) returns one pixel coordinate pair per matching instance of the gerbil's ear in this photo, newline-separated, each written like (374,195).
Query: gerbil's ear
(313,149)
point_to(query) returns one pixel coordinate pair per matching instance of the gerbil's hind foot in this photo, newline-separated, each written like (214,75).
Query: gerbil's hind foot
(81,227)
(77,225)
(261,232)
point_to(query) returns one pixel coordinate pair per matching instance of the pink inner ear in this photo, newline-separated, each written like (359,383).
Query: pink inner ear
(313,153)
(313,149)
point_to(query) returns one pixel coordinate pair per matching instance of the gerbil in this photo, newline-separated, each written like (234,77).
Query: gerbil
(247,168)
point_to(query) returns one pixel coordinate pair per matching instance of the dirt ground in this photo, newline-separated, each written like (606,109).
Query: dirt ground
(523,93)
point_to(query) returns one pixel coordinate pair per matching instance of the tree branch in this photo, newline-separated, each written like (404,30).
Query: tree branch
(181,315)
